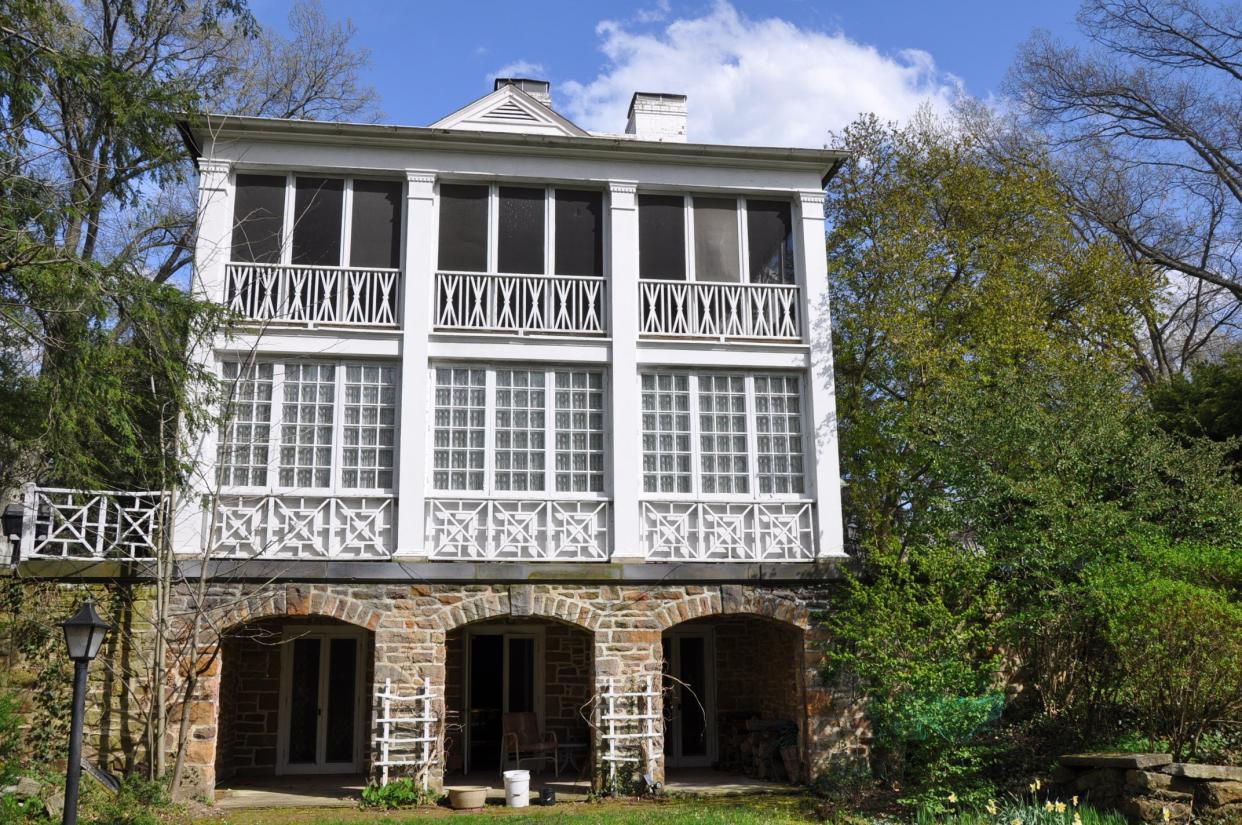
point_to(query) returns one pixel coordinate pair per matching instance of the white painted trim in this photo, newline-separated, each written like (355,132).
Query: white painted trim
(675,759)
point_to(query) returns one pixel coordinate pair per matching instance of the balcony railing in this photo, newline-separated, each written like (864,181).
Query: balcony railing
(518,530)
(312,295)
(720,311)
(472,301)
(303,527)
(727,531)
(91,524)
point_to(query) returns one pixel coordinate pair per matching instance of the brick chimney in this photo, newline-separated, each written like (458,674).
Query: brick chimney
(540,90)
(657,116)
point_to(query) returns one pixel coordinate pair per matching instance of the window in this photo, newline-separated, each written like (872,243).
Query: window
(375,238)
(258,218)
(248,425)
(334,428)
(332,220)
(662,237)
(463,228)
(317,221)
(731,240)
(726,434)
(519,246)
(512,237)
(545,426)
(769,235)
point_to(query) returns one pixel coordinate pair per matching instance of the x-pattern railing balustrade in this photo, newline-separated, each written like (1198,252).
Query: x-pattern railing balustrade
(721,311)
(313,294)
(92,524)
(304,527)
(474,301)
(728,531)
(518,530)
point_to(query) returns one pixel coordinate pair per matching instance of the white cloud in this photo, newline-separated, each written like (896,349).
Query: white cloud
(519,68)
(655,14)
(758,82)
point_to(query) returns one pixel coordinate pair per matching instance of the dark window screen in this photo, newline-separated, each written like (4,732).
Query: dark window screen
(579,233)
(463,228)
(258,217)
(662,237)
(304,702)
(520,234)
(715,240)
(317,222)
(521,674)
(375,239)
(770,237)
(342,684)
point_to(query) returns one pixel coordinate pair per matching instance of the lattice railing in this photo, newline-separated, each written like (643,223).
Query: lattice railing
(722,311)
(303,527)
(91,524)
(520,303)
(518,530)
(727,531)
(313,294)
(407,734)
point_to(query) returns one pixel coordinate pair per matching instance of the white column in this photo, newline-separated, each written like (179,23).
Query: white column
(211,255)
(417,279)
(813,263)
(626,399)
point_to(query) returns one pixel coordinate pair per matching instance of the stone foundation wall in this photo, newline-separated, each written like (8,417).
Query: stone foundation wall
(249,702)
(617,631)
(567,683)
(1144,786)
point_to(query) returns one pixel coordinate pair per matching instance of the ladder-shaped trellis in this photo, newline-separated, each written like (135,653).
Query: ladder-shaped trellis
(628,726)
(407,731)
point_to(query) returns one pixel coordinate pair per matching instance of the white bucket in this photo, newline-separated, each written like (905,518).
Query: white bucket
(517,788)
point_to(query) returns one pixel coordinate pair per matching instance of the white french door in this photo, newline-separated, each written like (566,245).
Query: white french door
(690,703)
(504,674)
(320,721)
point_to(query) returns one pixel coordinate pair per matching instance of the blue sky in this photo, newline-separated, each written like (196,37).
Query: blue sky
(781,72)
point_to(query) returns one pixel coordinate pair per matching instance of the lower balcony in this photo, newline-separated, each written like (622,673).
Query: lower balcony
(303,527)
(722,531)
(519,529)
(91,524)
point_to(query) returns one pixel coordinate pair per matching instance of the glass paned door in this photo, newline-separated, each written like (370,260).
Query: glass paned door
(503,678)
(689,711)
(321,694)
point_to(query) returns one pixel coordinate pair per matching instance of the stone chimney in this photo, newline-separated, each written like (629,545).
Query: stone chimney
(540,90)
(657,116)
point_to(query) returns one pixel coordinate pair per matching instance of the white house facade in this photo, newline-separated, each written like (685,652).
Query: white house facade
(520,420)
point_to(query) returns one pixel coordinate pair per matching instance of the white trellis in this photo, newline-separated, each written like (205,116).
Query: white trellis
(407,731)
(628,726)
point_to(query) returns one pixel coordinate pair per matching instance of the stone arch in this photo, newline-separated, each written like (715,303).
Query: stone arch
(734,600)
(301,601)
(537,603)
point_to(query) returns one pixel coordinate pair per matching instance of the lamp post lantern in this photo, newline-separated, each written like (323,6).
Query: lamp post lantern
(84,634)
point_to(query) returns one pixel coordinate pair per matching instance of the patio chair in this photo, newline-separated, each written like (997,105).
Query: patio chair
(521,736)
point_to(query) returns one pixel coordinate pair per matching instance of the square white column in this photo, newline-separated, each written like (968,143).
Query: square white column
(417,294)
(625,397)
(813,263)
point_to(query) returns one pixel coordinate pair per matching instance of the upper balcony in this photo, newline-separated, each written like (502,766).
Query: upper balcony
(312,251)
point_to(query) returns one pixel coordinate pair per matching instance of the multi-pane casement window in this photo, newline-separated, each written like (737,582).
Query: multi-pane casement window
(520,259)
(715,239)
(309,427)
(518,432)
(723,435)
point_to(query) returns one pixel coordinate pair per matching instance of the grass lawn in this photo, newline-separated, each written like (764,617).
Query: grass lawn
(783,809)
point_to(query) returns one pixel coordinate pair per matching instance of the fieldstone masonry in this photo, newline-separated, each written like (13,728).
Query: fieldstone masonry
(410,626)
(1143,786)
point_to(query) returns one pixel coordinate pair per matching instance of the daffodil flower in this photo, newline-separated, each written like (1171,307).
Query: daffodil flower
(1075,801)
(1165,815)
(952,799)
(991,807)
(1060,807)
(1077,818)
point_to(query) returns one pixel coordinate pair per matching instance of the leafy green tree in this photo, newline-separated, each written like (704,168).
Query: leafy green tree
(1205,404)
(992,448)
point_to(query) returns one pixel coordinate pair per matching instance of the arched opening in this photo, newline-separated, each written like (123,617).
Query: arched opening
(733,700)
(516,682)
(295,700)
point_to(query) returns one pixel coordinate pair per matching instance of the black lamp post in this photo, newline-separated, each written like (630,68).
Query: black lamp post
(84,634)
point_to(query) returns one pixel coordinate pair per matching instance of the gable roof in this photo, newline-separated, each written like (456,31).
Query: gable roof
(509,109)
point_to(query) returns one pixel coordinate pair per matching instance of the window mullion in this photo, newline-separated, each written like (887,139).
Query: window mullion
(696,454)
(691,274)
(338,424)
(286,234)
(347,220)
(549,231)
(549,434)
(493,228)
(276,438)
(752,437)
(489,432)
(743,243)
